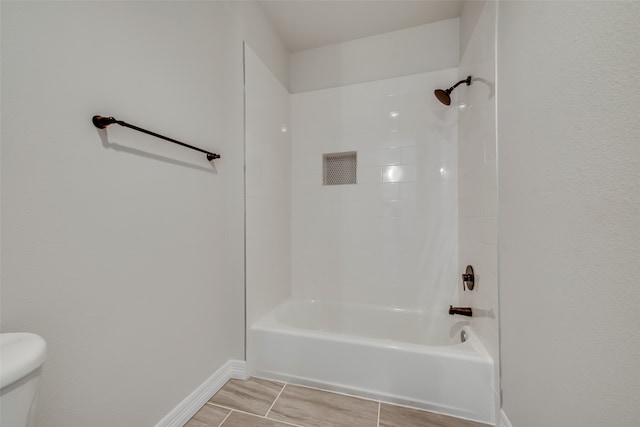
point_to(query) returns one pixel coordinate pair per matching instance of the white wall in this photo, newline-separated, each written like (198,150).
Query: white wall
(126,253)
(569,211)
(390,239)
(414,50)
(477,172)
(261,35)
(268,189)
(469,16)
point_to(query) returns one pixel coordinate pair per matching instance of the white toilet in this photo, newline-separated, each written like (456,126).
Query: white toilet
(21,358)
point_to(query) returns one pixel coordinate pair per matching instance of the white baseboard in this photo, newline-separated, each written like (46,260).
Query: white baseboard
(504,421)
(178,417)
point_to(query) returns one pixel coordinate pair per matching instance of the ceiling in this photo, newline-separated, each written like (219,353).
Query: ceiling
(306,24)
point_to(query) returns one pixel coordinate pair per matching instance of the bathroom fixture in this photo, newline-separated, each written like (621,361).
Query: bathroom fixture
(443,95)
(21,356)
(464,311)
(369,336)
(468,279)
(102,122)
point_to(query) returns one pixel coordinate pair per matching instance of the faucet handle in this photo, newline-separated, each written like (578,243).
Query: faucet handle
(468,278)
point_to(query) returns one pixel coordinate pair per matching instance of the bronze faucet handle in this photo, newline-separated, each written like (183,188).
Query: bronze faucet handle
(468,278)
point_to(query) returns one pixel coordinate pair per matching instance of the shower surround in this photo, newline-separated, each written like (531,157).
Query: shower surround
(392,238)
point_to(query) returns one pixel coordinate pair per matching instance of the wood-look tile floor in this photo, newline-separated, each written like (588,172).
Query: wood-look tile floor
(262,403)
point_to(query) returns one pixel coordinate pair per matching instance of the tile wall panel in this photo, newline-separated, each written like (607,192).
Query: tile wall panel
(392,238)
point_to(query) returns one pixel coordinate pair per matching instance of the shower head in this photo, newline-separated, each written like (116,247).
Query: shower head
(443,95)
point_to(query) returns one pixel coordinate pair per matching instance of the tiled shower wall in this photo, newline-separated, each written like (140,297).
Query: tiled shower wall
(477,171)
(391,238)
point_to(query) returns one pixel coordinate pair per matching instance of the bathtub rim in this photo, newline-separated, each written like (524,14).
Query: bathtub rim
(471,348)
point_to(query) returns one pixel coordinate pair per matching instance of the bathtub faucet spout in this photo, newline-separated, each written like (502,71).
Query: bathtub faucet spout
(465,311)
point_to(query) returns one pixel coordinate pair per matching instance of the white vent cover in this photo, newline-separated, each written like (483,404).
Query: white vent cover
(340,168)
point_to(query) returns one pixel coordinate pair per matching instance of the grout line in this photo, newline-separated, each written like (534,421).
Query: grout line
(269,379)
(237,410)
(318,389)
(284,422)
(253,415)
(275,400)
(341,393)
(225,419)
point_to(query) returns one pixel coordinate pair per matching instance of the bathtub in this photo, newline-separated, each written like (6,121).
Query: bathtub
(401,356)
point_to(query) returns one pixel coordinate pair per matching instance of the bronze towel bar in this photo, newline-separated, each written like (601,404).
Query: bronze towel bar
(102,122)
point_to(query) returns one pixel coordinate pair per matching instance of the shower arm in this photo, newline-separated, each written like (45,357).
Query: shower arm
(467,81)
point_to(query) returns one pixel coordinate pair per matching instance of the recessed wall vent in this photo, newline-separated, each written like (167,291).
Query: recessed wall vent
(340,168)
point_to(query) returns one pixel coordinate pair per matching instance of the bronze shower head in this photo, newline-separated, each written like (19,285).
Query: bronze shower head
(443,95)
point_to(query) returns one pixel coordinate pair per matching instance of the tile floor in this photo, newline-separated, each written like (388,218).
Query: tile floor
(262,403)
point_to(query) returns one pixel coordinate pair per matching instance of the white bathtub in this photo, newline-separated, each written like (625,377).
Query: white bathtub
(401,356)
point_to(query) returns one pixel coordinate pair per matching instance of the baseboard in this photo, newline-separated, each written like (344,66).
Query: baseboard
(186,409)
(504,421)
